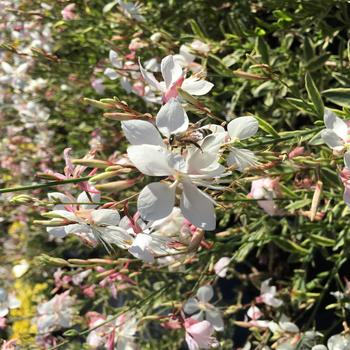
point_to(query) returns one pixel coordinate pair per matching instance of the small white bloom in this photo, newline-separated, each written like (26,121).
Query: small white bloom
(201,304)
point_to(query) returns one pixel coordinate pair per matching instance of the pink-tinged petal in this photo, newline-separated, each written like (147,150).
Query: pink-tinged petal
(141,248)
(205,293)
(197,87)
(149,78)
(197,208)
(221,266)
(115,60)
(172,118)
(254,312)
(156,201)
(201,332)
(105,217)
(171,70)
(332,140)
(242,128)
(139,132)
(151,160)
(335,124)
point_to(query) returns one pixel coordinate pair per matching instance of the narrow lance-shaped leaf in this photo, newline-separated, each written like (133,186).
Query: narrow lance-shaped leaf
(314,95)
(340,96)
(266,126)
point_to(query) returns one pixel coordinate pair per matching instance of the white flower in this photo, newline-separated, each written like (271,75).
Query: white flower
(268,294)
(14,76)
(284,325)
(240,129)
(56,313)
(88,223)
(197,168)
(7,302)
(201,304)
(173,78)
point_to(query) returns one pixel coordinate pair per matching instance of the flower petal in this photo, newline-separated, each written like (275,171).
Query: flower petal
(58,232)
(197,208)
(335,124)
(84,198)
(197,87)
(205,293)
(141,248)
(332,140)
(347,160)
(242,127)
(149,78)
(115,60)
(242,158)
(116,235)
(139,132)
(156,201)
(111,74)
(171,70)
(105,217)
(215,318)
(191,306)
(172,118)
(58,197)
(151,160)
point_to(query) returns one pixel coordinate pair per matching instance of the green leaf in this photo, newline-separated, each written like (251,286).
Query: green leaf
(289,246)
(263,49)
(317,62)
(314,95)
(322,241)
(266,126)
(196,29)
(339,96)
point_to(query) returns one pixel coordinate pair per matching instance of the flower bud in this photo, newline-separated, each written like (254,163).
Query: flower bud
(92,163)
(22,199)
(156,37)
(115,186)
(104,176)
(99,104)
(46,259)
(120,116)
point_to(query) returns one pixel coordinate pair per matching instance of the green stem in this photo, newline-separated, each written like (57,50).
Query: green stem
(48,184)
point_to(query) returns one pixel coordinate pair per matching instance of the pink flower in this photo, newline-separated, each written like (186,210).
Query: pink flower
(68,13)
(199,334)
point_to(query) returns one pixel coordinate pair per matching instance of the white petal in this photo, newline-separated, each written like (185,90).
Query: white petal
(58,232)
(241,158)
(191,306)
(197,87)
(3,311)
(65,214)
(58,197)
(115,59)
(172,118)
(151,160)
(139,132)
(111,73)
(156,201)
(347,160)
(346,196)
(205,293)
(197,208)
(336,124)
(221,266)
(78,228)
(149,78)
(13,302)
(83,198)
(171,71)
(243,127)
(332,139)
(6,67)
(105,217)
(319,347)
(116,235)
(140,248)
(215,319)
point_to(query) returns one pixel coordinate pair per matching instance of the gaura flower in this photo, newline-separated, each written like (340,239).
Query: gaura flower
(201,304)
(268,294)
(174,78)
(199,334)
(56,313)
(336,342)
(240,129)
(196,168)
(336,135)
(68,13)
